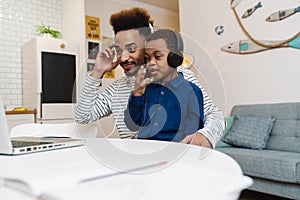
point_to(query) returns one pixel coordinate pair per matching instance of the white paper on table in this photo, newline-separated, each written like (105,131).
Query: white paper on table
(181,181)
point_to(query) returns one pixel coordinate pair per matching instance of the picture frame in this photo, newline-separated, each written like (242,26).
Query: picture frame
(93,49)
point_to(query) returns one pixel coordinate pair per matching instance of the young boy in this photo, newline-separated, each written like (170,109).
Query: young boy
(167,107)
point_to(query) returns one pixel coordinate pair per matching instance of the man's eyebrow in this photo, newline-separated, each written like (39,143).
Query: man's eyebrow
(130,44)
(126,46)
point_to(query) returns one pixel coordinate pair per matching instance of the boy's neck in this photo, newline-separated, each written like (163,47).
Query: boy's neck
(171,76)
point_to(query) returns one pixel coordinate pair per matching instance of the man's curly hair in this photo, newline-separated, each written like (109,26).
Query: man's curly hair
(133,18)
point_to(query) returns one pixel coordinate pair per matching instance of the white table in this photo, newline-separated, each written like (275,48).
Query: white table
(184,172)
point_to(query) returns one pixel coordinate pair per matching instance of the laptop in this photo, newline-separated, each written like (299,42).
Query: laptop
(23,145)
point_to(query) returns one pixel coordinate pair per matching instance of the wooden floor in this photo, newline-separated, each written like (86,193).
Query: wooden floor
(252,195)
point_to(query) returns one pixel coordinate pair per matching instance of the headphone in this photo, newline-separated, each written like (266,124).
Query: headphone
(175,57)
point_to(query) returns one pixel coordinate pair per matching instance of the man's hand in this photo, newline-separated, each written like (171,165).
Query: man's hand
(104,62)
(141,82)
(197,139)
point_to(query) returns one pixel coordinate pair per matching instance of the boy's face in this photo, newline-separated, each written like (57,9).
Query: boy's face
(129,46)
(156,54)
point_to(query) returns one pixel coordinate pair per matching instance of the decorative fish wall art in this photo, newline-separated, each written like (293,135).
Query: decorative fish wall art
(250,11)
(248,46)
(252,45)
(282,14)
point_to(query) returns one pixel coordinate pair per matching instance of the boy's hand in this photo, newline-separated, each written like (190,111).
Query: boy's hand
(141,82)
(104,62)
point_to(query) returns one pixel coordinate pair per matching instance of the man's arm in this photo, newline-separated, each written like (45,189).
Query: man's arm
(214,123)
(93,105)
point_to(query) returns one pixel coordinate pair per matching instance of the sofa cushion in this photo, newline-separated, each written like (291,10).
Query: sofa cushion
(285,135)
(229,123)
(269,164)
(250,132)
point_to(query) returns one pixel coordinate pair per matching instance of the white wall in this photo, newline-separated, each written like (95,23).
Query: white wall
(269,76)
(73,24)
(17,26)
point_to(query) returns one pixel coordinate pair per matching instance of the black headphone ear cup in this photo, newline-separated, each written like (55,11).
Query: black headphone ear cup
(175,59)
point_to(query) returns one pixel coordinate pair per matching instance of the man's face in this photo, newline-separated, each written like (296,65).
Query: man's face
(156,54)
(129,46)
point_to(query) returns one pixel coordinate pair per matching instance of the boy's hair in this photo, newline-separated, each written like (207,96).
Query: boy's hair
(172,38)
(174,43)
(133,18)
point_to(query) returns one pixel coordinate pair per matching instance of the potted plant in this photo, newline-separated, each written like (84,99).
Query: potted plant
(42,29)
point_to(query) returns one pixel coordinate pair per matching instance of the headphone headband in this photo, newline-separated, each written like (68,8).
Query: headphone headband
(178,41)
(151,27)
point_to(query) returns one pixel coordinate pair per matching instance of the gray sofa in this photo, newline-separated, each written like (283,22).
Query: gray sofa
(275,169)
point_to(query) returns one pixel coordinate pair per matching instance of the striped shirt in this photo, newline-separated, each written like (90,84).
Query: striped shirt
(93,105)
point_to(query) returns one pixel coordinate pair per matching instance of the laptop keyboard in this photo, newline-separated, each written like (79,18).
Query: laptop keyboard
(17,143)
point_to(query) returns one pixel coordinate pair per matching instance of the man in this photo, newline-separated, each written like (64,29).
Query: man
(131,27)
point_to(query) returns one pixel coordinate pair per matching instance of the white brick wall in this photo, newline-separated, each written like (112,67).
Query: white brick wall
(18,19)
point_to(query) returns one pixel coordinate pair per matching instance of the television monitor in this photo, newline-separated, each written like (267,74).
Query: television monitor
(58,78)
